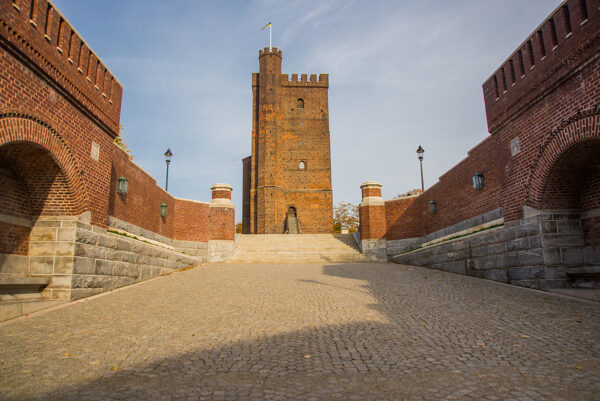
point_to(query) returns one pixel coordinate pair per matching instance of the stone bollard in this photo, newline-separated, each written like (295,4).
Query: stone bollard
(221,215)
(372,222)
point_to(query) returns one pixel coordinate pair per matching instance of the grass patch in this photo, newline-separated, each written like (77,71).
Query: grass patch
(141,240)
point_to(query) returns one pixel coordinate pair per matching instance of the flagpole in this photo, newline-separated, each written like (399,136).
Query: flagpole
(270,28)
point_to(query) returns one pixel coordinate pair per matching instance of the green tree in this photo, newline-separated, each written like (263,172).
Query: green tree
(345,214)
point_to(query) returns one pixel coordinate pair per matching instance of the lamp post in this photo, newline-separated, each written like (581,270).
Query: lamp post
(168,155)
(420,152)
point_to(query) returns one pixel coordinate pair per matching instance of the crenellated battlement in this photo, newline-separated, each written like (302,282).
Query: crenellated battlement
(37,32)
(269,52)
(322,82)
(554,50)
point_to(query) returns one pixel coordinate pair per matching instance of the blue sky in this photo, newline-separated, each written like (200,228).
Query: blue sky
(402,73)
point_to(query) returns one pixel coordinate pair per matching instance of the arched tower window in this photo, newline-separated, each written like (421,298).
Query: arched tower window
(300,103)
(302,165)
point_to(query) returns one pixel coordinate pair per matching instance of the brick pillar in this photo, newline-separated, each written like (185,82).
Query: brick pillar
(221,216)
(372,222)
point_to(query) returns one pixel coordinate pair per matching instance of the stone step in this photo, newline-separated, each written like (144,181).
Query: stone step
(21,288)
(295,245)
(267,255)
(296,248)
(12,309)
(584,272)
(22,283)
(298,260)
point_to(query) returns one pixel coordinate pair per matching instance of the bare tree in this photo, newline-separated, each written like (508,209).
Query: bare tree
(345,214)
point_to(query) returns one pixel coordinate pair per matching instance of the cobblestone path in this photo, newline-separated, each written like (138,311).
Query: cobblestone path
(310,332)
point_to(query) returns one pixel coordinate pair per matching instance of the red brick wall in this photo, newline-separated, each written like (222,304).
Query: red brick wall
(456,199)
(222,223)
(141,204)
(402,219)
(191,221)
(186,220)
(14,200)
(372,222)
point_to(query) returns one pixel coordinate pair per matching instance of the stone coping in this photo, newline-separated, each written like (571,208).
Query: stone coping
(449,241)
(466,232)
(122,233)
(464,225)
(124,227)
(371,184)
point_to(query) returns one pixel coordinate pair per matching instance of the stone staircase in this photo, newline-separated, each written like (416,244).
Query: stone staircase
(296,248)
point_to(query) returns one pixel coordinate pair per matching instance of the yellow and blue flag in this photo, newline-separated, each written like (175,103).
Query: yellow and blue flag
(266,26)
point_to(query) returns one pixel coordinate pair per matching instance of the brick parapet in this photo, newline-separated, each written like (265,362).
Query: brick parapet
(562,44)
(43,39)
(305,81)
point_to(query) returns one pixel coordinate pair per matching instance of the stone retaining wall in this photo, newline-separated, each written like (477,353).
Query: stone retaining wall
(104,261)
(82,259)
(535,251)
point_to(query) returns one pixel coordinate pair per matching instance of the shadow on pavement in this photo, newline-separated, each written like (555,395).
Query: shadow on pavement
(445,336)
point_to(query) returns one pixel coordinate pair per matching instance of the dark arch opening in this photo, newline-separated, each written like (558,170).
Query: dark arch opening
(573,185)
(32,185)
(292,225)
(300,103)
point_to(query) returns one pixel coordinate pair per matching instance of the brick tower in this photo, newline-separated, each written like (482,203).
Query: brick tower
(287,179)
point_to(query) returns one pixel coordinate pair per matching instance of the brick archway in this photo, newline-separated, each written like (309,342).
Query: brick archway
(563,143)
(29,139)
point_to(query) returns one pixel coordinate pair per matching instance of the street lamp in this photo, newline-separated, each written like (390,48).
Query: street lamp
(168,155)
(420,152)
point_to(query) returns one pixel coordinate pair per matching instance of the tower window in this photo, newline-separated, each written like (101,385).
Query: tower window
(300,103)
(302,165)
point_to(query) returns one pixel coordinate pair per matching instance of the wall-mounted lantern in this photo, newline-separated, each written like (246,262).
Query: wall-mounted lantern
(163,209)
(478,181)
(121,185)
(432,208)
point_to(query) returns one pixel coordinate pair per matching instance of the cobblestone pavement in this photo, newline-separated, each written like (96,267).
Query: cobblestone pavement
(310,332)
